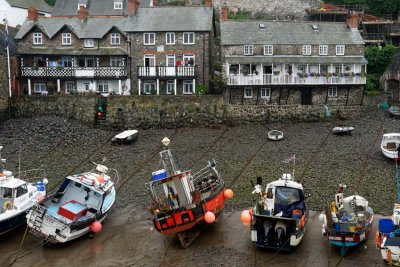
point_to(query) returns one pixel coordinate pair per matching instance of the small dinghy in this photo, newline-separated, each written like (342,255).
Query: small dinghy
(394,112)
(278,219)
(347,221)
(275,135)
(78,206)
(390,145)
(342,130)
(18,195)
(184,202)
(125,137)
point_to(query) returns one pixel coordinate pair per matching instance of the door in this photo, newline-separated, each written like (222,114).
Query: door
(306,96)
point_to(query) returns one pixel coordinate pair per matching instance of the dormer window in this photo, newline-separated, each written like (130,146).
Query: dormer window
(340,50)
(37,38)
(248,50)
(306,50)
(89,43)
(115,39)
(66,39)
(118,5)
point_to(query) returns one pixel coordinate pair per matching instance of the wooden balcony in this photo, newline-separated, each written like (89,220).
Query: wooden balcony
(167,72)
(270,79)
(74,72)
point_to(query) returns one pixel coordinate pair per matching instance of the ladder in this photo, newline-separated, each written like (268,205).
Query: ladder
(38,214)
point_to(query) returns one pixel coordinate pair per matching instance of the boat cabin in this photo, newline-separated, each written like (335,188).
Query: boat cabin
(12,191)
(391,141)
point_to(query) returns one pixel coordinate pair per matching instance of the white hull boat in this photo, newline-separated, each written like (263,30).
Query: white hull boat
(342,130)
(275,135)
(78,207)
(18,195)
(390,145)
(126,137)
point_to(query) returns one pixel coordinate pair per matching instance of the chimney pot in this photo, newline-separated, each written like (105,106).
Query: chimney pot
(353,20)
(82,13)
(32,14)
(133,6)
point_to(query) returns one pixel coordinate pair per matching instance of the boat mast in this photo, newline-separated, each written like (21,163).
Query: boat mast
(167,159)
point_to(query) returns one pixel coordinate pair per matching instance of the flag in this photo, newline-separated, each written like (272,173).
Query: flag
(6,41)
(290,159)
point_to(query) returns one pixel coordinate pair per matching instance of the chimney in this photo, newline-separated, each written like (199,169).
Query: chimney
(224,12)
(208,3)
(82,13)
(32,13)
(133,6)
(352,20)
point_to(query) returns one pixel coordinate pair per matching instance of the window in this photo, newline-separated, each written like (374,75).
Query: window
(69,86)
(323,50)
(187,87)
(265,92)
(102,86)
(170,38)
(67,62)
(188,60)
(149,87)
(89,62)
(268,50)
(37,38)
(117,5)
(170,60)
(149,38)
(66,39)
(149,60)
(340,50)
(332,92)
(89,43)
(170,87)
(39,87)
(248,92)
(248,50)
(188,38)
(116,62)
(21,190)
(7,192)
(306,50)
(338,69)
(86,86)
(115,39)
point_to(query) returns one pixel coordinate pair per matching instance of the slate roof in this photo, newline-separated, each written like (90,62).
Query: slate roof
(40,5)
(94,7)
(94,28)
(291,33)
(171,19)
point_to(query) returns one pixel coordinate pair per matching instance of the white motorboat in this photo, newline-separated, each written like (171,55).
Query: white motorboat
(18,195)
(342,130)
(127,136)
(79,206)
(390,145)
(275,135)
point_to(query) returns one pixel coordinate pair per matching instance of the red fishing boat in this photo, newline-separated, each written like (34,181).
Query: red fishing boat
(183,202)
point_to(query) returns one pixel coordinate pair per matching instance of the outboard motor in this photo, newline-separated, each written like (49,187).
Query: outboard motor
(280,229)
(267,227)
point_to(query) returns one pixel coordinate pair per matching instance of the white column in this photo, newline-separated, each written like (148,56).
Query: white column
(58,85)
(240,76)
(139,84)
(262,73)
(29,87)
(194,86)
(119,87)
(227,69)
(293,75)
(175,86)
(158,86)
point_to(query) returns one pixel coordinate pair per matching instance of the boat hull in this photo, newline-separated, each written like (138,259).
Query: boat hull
(9,224)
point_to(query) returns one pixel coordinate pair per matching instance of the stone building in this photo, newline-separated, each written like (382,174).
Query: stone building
(293,63)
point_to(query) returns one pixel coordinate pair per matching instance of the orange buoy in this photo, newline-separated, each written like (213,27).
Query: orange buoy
(96,227)
(247,224)
(100,179)
(228,193)
(303,221)
(209,217)
(245,217)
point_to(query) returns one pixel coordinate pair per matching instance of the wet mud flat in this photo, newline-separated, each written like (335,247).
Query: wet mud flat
(242,153)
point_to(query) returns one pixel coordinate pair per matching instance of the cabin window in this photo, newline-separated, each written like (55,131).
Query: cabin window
(21,190)
(78,184)
(269,193)
(7,192)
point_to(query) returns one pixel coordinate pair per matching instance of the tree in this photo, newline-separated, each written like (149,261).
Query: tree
(384,7)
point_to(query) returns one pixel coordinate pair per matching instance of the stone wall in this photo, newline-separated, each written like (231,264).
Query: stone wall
(145,112)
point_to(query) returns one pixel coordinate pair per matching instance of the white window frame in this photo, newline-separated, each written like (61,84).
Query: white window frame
(115,38)
(306,50)
(188,38)
(86,85)
(188,87)
(268,50)
(265,93)
(248,50)
(332,91)
(105,86)
(68,59)
(187,58)
(169,58)
(89,43)
(323,50)
(149,38)
(248,92)
(118,5)
(338,69)
(340,50)
(170,87)
(148,87)
(66,38)
(38,86)
(37,38)
(152,60)
(170,38)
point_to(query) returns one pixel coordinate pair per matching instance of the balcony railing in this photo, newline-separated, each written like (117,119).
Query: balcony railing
(166,71)
(74,72)
(270,79)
